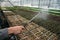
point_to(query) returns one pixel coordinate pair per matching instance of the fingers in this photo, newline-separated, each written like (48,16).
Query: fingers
(15,29)
(18,29)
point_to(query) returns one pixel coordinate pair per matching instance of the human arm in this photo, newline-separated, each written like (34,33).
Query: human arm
(5,32)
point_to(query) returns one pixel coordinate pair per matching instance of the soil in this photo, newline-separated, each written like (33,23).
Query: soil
(53,21)
(32,31)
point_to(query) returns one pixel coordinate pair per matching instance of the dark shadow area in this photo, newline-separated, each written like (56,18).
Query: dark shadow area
(3,20)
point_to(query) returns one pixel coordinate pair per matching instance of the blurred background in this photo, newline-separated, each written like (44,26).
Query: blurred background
(49,12)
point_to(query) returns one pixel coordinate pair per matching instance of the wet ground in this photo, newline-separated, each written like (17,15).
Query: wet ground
(52,23)
(34,31)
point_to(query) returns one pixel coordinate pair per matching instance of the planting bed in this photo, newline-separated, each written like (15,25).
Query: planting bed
(32,31)
(53,20)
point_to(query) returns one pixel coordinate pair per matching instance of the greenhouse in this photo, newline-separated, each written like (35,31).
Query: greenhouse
(40,18)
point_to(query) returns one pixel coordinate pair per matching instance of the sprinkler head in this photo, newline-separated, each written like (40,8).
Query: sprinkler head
(24,24)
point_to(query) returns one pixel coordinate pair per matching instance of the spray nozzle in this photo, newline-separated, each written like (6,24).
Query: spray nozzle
(24,24)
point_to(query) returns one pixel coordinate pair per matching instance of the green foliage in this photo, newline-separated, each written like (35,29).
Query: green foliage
(33,9)
(54,12)
(23,8)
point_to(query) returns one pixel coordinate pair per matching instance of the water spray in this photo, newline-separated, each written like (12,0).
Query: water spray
(25,24)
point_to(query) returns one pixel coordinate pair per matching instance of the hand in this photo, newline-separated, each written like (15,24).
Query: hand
(15,29)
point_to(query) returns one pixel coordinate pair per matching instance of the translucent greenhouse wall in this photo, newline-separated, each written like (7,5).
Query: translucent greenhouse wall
(34,3)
